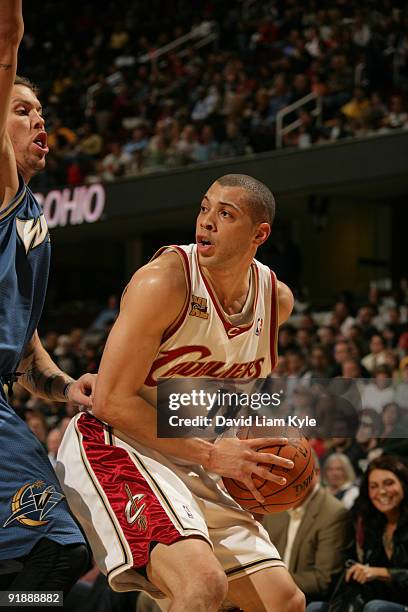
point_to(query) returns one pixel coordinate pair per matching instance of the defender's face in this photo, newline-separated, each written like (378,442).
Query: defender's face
(25,127)
(225,231)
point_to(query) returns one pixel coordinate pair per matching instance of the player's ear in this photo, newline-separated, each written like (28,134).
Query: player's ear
(262,233)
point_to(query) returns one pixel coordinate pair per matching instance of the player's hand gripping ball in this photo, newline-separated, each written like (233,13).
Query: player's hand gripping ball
(278,498)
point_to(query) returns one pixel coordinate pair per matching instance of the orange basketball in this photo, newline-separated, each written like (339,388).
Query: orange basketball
(277,497)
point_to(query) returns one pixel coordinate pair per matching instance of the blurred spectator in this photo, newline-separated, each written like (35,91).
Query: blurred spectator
(340,479)
(90,142)
(377,355)
(36,422)
(234,143)
(115,163)
(50,342)
(304,340)
(357,105)
(319,363)
(187,146)
(108,315)
(394,422)
(380,392)
(53,442)
(342,353)
(327,336)
(207,148)
(364,322)
(65,357)
(341,314)
(286,338)
(401,391)
(397,117)
(351,368)
(136,148)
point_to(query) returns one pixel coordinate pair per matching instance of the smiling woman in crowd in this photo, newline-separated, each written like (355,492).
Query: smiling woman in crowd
(381,538)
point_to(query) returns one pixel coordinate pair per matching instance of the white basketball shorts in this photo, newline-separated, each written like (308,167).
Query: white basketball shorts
(129,498)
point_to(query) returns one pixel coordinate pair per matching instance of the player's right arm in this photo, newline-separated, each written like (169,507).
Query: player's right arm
(152,302)
(11,33)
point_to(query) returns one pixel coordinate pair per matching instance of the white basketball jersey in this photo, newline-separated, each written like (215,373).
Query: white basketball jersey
(203,343)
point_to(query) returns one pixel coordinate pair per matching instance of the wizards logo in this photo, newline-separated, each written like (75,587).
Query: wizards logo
(32,503)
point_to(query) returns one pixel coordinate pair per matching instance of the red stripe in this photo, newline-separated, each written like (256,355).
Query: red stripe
(117,473)
(274,320)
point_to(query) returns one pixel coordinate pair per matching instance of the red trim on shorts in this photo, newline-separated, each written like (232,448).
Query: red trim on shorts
(274,324)
(121,481)
(231,330)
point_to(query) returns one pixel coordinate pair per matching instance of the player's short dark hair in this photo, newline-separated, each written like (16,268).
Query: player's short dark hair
(260,198)
(19,80)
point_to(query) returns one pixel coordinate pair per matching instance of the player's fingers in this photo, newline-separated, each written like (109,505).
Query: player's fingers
(258,442)
(260,457)
(249,483)
(264,473)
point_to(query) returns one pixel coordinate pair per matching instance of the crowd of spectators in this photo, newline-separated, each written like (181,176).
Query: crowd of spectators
(114,111)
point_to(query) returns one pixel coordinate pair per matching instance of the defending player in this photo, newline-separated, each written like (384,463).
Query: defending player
(155,517)
(41,547)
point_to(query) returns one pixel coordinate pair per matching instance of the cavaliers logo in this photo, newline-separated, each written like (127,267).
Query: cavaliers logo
(199,307)
(133,512)
(32,503)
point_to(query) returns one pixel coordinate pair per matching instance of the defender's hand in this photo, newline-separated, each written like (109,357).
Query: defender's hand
(81,391)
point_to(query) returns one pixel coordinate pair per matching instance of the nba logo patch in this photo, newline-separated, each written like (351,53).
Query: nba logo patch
(258,328)
(188,511)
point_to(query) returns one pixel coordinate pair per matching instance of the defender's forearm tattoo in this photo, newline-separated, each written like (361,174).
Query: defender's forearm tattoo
(47,383)
(5,66)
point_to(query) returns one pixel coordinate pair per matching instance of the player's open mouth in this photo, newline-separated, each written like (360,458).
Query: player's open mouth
(40,141)
(204,245)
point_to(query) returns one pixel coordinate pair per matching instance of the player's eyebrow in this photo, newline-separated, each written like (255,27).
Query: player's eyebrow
(221,203)
(27,103)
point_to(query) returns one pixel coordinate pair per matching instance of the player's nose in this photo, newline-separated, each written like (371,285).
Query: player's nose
(38,122)
(207,224)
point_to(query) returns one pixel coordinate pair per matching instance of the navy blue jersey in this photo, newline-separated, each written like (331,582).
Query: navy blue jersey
(32,505)
(24,266)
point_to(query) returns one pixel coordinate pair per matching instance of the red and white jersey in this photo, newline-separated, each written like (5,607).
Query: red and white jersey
(205,342)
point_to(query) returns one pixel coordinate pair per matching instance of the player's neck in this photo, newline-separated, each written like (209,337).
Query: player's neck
(26,174)
(230,286)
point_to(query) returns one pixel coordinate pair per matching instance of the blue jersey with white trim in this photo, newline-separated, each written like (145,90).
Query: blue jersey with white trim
(32,505)
(24,267)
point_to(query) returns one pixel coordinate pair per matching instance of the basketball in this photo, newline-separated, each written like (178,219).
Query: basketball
(277,497)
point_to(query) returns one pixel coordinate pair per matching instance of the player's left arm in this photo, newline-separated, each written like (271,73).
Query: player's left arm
(41,376)
(285,301)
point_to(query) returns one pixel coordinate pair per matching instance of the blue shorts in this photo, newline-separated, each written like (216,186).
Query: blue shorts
(32,505)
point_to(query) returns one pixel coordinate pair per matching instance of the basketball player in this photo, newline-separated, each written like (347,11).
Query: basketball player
(41,547)
(152,508)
